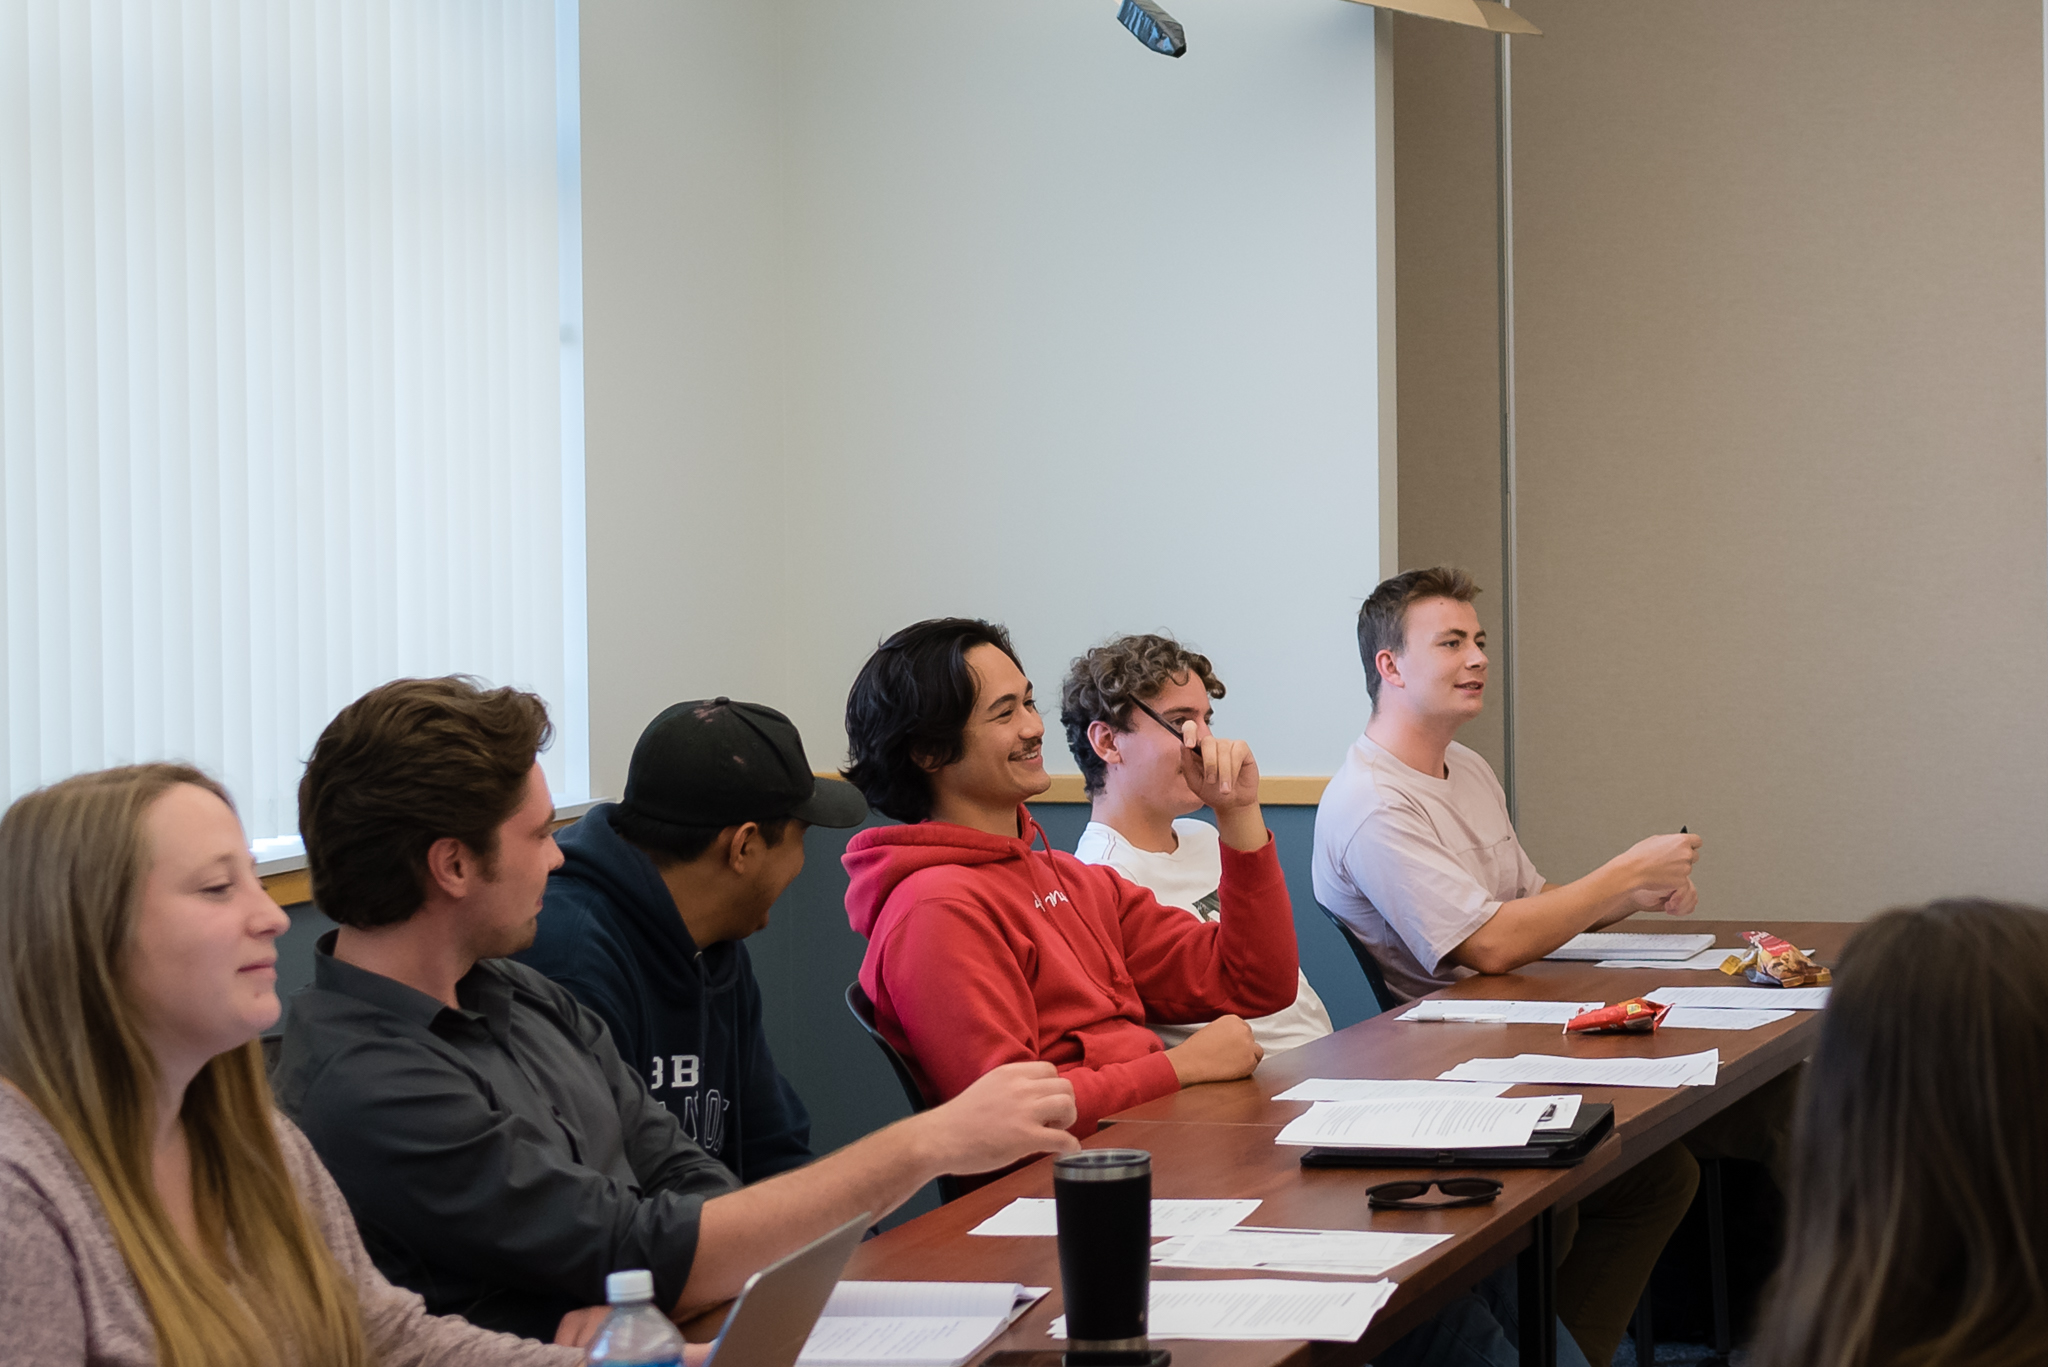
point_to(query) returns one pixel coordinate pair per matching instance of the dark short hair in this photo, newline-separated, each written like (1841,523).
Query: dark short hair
(1104,685)
(909,708)
(409,763)
(668,844)
(1383,618)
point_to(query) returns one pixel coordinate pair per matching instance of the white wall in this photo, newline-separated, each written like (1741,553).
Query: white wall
(1002,315)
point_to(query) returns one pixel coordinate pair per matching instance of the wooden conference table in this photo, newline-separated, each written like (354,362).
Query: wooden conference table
(1216,1141)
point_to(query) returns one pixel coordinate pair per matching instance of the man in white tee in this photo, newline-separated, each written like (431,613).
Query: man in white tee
(1126,706)
(1415,853)
(1414,850)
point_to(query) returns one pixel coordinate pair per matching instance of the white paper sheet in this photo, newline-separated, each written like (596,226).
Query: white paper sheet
(1610,944)
(1498,1013)
(1718,1018)
(1384,1089)
(1470,1123)
(1333,1252)
(1260,1310)
(1753,998)
(1707,960)
(1034,1215)
(1564,1110)
(915,1324)
(1685,1070)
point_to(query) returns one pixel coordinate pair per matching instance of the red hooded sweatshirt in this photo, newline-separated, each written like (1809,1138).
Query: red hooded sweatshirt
(983,951)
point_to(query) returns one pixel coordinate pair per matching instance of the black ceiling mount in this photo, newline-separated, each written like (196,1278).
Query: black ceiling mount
(1155,28)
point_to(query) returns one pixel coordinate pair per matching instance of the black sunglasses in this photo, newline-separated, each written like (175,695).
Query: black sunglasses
(1461,1191)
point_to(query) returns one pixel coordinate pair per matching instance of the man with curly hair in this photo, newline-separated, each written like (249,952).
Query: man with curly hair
(1125,706)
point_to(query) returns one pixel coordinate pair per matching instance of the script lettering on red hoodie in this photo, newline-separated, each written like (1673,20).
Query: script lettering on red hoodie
(985,950)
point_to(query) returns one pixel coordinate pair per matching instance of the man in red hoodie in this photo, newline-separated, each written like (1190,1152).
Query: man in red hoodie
(986,947)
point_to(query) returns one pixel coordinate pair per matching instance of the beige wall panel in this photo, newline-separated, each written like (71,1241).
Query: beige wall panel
(1785,550)
(1447,316)
(682,301)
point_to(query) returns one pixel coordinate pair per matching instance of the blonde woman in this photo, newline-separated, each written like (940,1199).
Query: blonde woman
(154,1208)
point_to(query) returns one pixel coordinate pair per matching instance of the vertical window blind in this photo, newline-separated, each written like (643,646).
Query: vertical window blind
(290,375)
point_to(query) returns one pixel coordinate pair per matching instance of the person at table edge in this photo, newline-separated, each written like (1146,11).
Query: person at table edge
(1415,852)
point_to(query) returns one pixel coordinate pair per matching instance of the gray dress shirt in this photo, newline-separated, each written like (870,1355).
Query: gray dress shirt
(499,1159)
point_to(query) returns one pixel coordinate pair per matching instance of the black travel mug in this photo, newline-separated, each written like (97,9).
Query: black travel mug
(1103,1199)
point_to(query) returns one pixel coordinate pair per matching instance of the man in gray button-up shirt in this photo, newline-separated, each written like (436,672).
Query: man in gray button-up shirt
(498,1155)
(508,1121)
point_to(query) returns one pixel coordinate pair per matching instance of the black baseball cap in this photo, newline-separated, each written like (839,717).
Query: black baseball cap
(719,763)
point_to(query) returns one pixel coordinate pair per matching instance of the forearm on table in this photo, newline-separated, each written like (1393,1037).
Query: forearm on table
(1117,1086)
(743,1231)
(1527,928)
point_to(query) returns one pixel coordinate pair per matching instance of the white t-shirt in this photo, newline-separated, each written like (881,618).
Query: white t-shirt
(1414,863)
(1189,878)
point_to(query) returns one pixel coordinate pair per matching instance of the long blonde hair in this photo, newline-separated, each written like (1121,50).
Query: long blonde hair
(73,858)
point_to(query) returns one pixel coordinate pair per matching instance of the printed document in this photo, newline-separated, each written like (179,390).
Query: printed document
(915,1324)
(1756,998)
(1713,1018)
(1377,1089)
(1607,944)
(1256,1310)
(1686,1070)
(1708,960)
(1334,1252)
(1034,1215)
(1498,1013)
(1475,1123)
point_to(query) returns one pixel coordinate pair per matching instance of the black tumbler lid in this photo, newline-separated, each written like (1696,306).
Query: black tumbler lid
(1102,1165)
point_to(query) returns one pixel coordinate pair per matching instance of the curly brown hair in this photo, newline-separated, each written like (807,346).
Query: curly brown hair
(1104,684)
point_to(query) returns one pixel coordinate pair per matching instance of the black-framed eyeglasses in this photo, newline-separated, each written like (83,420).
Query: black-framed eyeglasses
(1146,708)
(1458,1191)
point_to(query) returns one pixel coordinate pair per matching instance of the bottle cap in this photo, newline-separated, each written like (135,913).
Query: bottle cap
(626,1288)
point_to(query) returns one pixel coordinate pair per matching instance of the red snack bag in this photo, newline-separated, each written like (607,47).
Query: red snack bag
(1636,1016)
(1775,962)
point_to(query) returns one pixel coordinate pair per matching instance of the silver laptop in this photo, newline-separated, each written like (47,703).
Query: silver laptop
(778,1306)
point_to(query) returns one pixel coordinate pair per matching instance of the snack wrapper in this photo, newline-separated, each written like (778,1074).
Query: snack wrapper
(1775,963)
(1636,1016)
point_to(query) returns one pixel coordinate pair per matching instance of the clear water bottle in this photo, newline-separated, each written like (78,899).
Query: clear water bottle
(635,1334)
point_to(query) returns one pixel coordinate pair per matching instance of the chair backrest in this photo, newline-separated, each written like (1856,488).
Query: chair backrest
(863,1011)
(1375,976)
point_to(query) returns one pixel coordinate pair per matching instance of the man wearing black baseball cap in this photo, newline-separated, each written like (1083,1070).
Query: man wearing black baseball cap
(643,922)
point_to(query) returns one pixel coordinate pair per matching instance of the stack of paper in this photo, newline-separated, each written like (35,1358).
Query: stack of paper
(1686,1070)
(1034,1215)
(1382,1089)
(1257,1310)
(1333,1252)
(1473,1123)
(1498,1012)
(1708,959)
(915,1324)
(1597,945)
(1753,998)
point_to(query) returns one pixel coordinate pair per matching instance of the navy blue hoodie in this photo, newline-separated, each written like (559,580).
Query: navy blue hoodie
(610,934)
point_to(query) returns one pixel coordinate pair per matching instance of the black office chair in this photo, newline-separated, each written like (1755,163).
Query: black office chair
(864,1011)
(1375,976)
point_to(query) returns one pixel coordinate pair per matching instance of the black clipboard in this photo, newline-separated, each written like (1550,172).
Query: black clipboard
(1546,1149)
